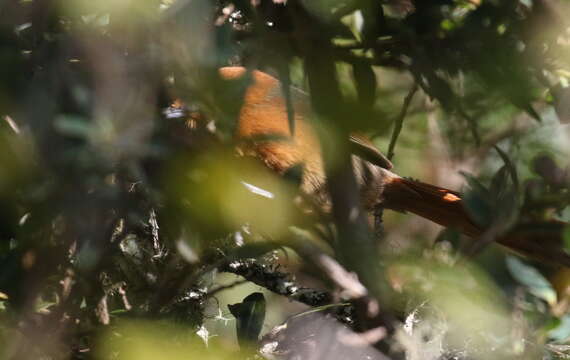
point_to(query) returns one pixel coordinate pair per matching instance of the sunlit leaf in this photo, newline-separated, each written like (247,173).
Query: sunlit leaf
(562,331)
(528,276)
(221,193)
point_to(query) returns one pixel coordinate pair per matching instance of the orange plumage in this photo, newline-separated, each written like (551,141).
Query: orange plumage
(264,115)
(264,131)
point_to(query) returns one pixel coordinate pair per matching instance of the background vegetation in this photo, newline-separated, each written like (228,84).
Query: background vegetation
(125,229)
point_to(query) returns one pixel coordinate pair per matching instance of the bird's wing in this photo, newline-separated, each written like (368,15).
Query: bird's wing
(365,149)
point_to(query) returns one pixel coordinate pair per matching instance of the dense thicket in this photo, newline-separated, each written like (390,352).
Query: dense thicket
(120,212)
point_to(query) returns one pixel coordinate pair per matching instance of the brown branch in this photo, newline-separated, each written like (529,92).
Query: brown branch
(278,282)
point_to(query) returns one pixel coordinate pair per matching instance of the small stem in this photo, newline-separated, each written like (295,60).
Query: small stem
(400,120)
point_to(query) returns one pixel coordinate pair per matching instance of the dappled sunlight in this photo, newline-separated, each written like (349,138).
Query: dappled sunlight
(301,179)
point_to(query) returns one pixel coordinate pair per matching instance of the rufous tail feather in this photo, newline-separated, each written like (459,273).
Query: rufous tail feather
(540,241)
(442,206)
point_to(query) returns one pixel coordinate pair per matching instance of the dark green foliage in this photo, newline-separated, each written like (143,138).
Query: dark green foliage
(249,315)
(112,210)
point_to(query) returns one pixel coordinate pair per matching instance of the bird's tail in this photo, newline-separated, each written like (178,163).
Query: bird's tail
(440,205)
(538,241)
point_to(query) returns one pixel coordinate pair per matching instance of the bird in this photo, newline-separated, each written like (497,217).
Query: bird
(263,131)
(263,116)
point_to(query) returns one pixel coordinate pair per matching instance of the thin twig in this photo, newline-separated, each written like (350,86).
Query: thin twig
(225,287)
(341,277)
(400,120)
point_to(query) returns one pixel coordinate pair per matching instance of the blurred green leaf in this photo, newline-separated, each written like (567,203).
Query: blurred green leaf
(509,166)
(499,181)
(535,282)
(96,19)
(158,340)
(99,73)
(478,207)
(465,296)
(71,125)
(447,25)
(561,332)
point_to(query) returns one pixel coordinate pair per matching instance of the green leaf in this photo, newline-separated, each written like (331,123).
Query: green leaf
(478,209)
(499,181)
(74,126)
(477,201)
(249,316)
(562,331)
(475,186)
(509,166)
(532,279)
(447,24)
